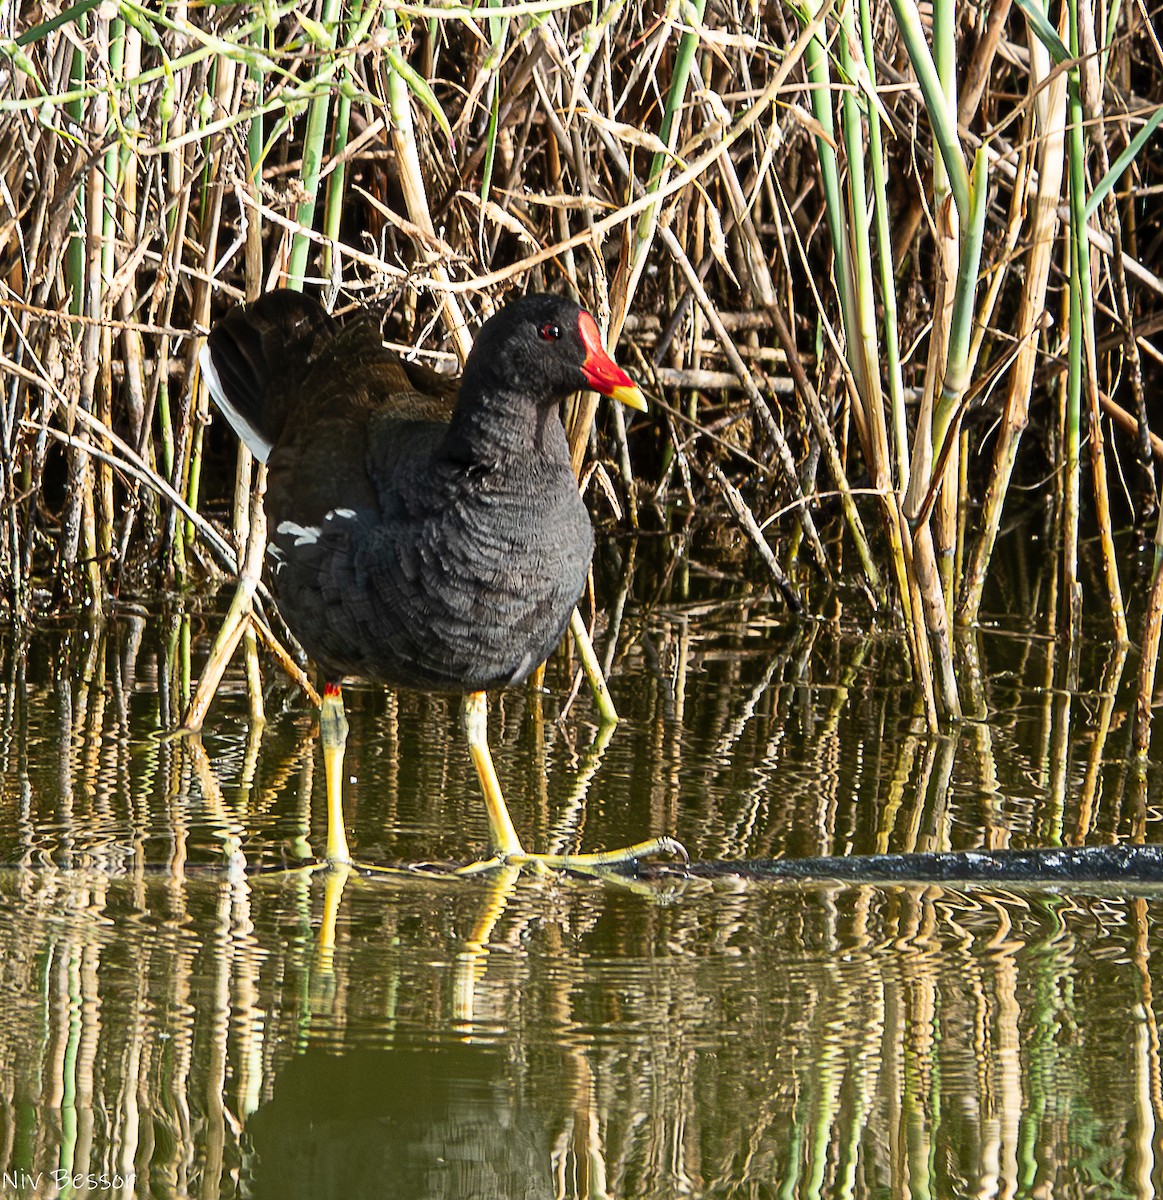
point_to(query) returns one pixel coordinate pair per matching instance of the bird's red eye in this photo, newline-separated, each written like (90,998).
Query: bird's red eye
(550,332)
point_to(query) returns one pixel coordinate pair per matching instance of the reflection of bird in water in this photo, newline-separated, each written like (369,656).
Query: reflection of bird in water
(421,535)
(419,1123)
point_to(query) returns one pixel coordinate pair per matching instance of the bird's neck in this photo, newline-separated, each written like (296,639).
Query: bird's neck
(501,427)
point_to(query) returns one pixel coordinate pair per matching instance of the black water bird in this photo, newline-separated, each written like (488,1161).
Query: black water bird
(422,534)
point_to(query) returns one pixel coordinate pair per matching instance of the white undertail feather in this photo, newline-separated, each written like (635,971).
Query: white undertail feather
(255,442)
(304,535)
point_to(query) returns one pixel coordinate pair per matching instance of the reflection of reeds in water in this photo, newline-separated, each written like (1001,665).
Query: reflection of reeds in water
(803,1041)
(832,236)
(796,1040)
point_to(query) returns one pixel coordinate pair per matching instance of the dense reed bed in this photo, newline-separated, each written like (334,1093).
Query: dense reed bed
(879,268)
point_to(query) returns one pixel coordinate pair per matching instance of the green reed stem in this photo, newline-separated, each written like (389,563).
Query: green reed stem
(945,62)
(956,378)
(1108,38)
(314,138)
(862,341)
(692,14)
(75,250)
(948,409)
(498,33)
(863,367)
(1072,434)
(820,80)
(1085,348)
(337,180)
(942,116)
(881,213)
(358,23)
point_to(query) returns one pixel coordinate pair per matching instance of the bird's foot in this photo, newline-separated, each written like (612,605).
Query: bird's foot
(602,862)
(595,863)
(312,866)
(353,866)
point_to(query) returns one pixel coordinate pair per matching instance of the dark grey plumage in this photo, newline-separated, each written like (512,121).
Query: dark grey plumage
(414,540)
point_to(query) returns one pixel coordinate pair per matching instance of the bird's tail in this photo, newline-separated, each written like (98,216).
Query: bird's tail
(256,354)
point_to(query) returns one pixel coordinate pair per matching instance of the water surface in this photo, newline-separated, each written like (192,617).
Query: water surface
(175,1022)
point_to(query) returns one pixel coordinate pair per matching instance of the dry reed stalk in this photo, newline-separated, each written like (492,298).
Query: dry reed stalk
(235,625)
(750,526)
(946,526)
(249,533)
(1149,656)
(213,190)
(763,290)
(627,280)
(127,461)
(403,135)
(1099,468)
(1090,794)
(912,603)
(1048,111)
(1083,41)
(823,433)
(927,475)
(245,476)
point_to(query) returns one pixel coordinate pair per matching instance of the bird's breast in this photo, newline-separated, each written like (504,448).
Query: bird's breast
(456,585)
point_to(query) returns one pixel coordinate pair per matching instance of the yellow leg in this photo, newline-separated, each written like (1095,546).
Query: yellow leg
(507,848)
(474,716)
(333,734)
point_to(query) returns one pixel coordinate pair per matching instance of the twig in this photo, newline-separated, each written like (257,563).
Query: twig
(747,522)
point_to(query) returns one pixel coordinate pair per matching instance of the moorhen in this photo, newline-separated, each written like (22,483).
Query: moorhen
(421,535)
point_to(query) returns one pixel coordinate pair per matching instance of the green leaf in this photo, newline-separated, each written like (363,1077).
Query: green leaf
(73,13)
(419,88)
(145,27)
(1123,161)
(1044,31)
(9,48)
(323,37)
